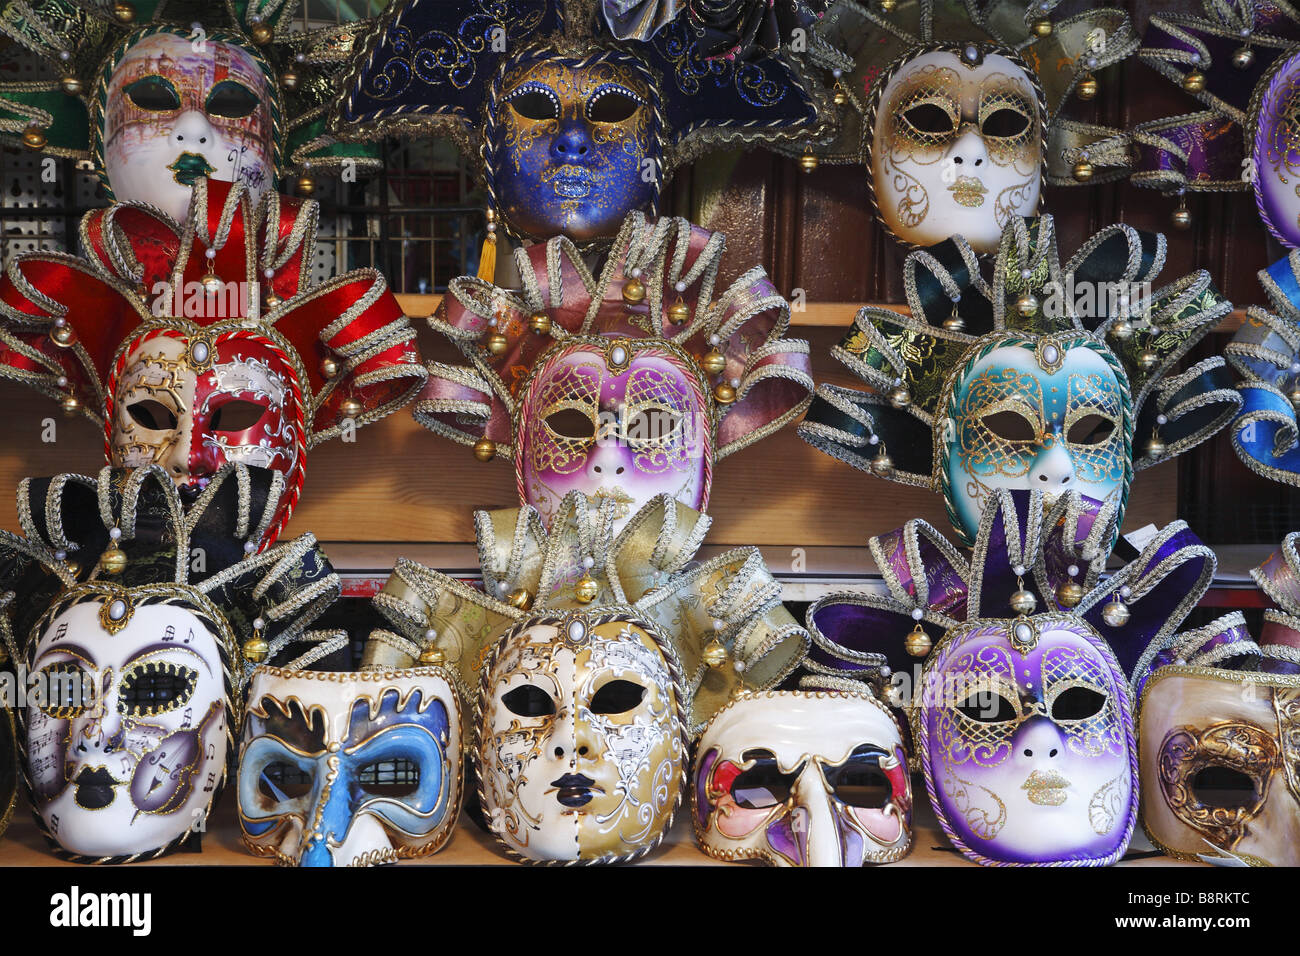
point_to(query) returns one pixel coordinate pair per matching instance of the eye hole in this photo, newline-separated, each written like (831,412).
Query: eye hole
(617,697)
(612,107)
(1011,426)
(859,781)
(653,424)
(231,99)
(399,777)
(155,687)
(153,93)
(281,780)
(929,118)
(153,415)
(66,690)
(529,701)
(1218,786)
(1077,703)
(987,707)
(1005,123)
(763,785)
(572,424)
(535,105)
(236,416)
(1090,430)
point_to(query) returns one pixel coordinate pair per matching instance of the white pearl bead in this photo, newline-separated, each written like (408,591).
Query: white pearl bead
(430,635)
(63,381)
(60,555)
(588,562)
(1125,591)
(250,547)
(117,610)
(715,339)
(917,614)
(268,273)
(635,272)
(60,322)
(740,667)
(735,383)
(258,623)
(1072,570)
(115,533)
(874,440)
(210,253)
(719,624)
(501,587)
(837,73)
(680,286)
(1162,420)
(1019,569)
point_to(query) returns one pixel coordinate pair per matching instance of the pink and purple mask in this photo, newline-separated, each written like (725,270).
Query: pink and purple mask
(1025,731)
(616,419)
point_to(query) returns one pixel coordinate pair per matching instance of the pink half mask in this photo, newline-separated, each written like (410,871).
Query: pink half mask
(193,405)
(617,419)
(1025,731)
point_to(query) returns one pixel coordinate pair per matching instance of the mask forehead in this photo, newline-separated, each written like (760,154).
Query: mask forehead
(129,745)
(1048,414)
(570,144)
(613,420)
(1276,151)
(1218,763)
(956,147)
(174,113)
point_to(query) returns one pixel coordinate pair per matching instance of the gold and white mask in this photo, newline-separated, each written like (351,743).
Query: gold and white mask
(581,746)
(956,147)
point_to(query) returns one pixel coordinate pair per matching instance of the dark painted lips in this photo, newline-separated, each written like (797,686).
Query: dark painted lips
(95,788)
(189,167)
(573,789)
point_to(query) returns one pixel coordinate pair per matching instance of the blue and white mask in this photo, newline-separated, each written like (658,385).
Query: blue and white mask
(1043,413)
(349,769)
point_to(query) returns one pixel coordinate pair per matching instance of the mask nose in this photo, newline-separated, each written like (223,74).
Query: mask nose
(332,812)
(572,144)
(969,154)
(564,743)
(193,133)
(813,815)
(1038,745)
(99,732)
(606,462)
(1053,469)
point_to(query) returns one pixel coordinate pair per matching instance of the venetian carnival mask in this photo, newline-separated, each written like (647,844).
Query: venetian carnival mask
(581,745)
(179,109)
(1220,764)
(1025,733)
(614,419)
(194,405)
(802,778)
(351,769)
(957,147)
(572,147)
(129,743)
(1041,414)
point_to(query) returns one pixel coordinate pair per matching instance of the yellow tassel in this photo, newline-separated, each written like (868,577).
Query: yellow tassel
(487,258)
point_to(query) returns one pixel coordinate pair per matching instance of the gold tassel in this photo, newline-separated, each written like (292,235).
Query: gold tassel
(487,258)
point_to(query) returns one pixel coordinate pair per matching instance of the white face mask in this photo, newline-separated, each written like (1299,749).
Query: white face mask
(580,744)
(349,769)
(801,778)
(175,113)
(957,148)
(129,747)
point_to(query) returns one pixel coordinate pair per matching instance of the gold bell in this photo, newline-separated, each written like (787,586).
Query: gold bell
(713,363)
(1244,58)
(1042,27)
(918,643)
(808,161)
(882,466)
(485,449)
(1027,305)
(1023,602)
(70,405)
(840,98)
(1121,330)
(113,561)
(1069,594)
(1181,217)
(1194,82)
(272,300)
(1115,613)
(496,344)
(633,291)
(306,185)
(328,367)
(1156,447)
(1082,171)
(211,284)
(290,79)
(432,654)
(256,649)
(70,85)
(1087,88)
(586,589)
(124,12)
(900,397)
(63,336)
(520,599)
(1295,397)
(1147,359)
(34,138)
(540,323)
(715,653)
(261,34)
(954,323)
(679,312)
(724,394)
(350,408)
(73,568)
(887,6)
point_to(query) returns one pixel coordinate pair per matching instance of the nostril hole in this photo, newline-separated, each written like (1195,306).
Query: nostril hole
(559,751)
(1029,753)
(1042,477)
(582,751)
(1053,753)
(957,159)
(596,469)
(1065,480)
(978,162)
(203,139)
(618,470)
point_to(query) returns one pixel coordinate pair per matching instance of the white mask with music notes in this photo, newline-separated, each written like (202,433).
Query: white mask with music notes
(126,744)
